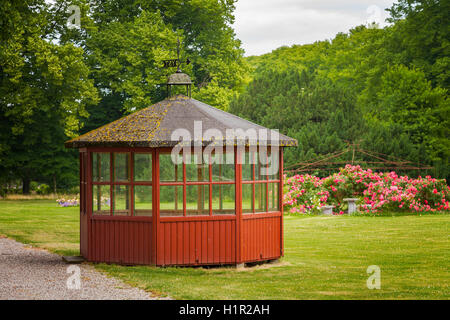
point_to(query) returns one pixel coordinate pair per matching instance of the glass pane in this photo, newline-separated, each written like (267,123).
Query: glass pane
(247,165)
(274,204)
(221,170)
(260,197)
(171,201)
(261,165)
(274,165)
(121,166)
(100,166)
(101,200)
(197,200)
(197,169)
(143,201)
(142,167)
(121,200)
(223,196)
(168,170)
(247,198)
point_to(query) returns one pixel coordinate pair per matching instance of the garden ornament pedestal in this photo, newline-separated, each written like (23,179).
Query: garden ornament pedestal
(327,209)
(351,204)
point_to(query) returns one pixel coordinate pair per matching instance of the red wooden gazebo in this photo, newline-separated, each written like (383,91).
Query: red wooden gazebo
(140,205)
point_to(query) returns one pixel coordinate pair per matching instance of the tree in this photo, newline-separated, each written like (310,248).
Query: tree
(44,89)
(421,37)
(405,97)
(125,42)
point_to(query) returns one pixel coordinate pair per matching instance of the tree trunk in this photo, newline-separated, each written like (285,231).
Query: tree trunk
(25,186)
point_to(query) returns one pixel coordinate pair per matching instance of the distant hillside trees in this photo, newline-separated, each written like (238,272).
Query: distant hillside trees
(386,89)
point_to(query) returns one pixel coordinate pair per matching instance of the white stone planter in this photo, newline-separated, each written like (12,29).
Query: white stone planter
(351,204)
(328,210)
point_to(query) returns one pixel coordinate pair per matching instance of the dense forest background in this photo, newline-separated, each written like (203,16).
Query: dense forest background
(383,88)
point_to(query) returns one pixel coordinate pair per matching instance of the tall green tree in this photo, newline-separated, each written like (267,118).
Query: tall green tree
(125,42)
(421,37)
(44,89)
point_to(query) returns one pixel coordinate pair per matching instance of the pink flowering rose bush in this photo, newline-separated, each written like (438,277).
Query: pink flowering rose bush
(376,191)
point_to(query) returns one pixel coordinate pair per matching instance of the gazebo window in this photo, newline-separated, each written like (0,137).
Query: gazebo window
(260,186)
(168,170)
(197,200)
(260,197)
(117,196)
(207,188)
(121,200)
(142,200)
(142,167)
(248,198)
(142,184)
(101,201)
(122,192)
(171,201)
(273,197)
(101,174)
(223,167)
(197,168)
(100,167)
(122,167)
(223,199)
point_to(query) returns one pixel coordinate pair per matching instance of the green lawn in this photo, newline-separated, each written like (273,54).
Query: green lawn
(325,257)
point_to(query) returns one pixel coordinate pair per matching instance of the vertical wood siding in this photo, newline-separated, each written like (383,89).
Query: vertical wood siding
(121,241)
(261,238)
(196,242)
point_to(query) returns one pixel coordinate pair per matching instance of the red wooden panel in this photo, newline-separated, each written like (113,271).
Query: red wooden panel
(216,239)
(121,241)
(140,242)
(228,243)
(261,236)
(167,258)
(233,241)
(173,241)
(125,244)
(204,242)
(192,247)
(180,247)
(222,241)
(210,258)
(186,243)
(97,237)
(160,244)
(197,242)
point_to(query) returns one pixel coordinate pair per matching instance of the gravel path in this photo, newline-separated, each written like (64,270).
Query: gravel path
(35,274)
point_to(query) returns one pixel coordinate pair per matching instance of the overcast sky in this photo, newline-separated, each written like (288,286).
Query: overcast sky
(264,25)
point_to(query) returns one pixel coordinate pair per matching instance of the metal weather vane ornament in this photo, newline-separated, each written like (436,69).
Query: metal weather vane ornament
(170,63)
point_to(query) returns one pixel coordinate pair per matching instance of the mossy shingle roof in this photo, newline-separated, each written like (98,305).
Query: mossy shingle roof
(156,126)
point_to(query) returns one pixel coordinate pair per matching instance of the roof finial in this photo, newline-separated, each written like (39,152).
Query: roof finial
(178,78)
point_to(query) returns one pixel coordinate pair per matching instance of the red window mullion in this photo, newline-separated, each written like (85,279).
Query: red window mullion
(210,188)
(184,189)
(131,195)
(267,179)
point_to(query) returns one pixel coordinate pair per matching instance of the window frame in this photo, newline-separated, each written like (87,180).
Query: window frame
(130,183)
(156,183)
(267,181)
(210,182)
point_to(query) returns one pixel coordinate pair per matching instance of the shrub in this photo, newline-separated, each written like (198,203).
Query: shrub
(43,189)
(377,192)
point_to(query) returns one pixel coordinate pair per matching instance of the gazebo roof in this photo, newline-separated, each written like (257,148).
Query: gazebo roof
(154,125)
